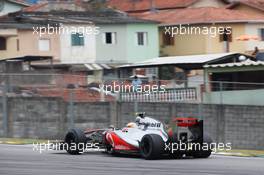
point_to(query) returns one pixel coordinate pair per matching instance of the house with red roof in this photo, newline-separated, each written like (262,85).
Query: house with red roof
(189,27)
(202,30)
(78,39)
(248,6)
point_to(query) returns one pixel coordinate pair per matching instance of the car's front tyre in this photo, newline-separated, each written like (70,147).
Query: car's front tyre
(75,141)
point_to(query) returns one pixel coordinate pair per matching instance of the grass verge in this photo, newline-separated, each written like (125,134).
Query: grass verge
(21,141)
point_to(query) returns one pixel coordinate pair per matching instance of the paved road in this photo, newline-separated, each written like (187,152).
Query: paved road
(22,160)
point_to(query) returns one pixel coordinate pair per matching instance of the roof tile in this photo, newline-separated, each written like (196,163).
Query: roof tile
(143,5)
(200,16)
(258,4)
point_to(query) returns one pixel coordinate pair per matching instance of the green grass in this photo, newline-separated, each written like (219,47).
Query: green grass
(21,141)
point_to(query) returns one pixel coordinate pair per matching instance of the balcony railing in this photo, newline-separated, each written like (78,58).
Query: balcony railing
(170,95)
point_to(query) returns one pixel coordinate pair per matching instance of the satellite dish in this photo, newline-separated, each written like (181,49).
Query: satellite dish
(2,4)
(242,58)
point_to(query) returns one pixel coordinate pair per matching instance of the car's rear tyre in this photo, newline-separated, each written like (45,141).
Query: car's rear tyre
(177,155)
(173,140)
(204,153)
(75,140)
(151,146)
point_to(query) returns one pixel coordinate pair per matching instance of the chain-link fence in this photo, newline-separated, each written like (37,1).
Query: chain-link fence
(47,105)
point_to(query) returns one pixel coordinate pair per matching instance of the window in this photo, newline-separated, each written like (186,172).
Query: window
(262,34)
(90,72)
(2,43)
(109,38)
(226,36)
(168,40)
(44,45)
(77,39)
(141,38)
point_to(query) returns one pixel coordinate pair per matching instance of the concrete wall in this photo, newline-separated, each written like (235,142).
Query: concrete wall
(37,117)
(240,125)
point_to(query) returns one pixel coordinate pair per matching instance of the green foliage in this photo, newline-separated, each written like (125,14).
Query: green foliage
(167,72)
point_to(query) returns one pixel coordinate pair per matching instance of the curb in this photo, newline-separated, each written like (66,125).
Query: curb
(238,154)
(231,154)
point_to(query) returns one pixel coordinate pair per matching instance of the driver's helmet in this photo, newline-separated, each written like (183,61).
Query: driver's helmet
(141,114)
(131,125)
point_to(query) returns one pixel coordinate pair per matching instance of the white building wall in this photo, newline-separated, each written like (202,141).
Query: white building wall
(116,52)
(78,54)
(253,30)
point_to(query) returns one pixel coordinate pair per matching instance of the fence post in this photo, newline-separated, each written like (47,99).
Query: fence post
(222,111)
(71,108)
(102,93)
(114,113)
(5,111)
(135,106)
(220,117)
(221,92)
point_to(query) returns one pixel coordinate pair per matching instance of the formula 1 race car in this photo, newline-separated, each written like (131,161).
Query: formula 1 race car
(146,137)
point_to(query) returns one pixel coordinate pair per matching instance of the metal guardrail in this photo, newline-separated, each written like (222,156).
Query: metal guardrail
(170,95)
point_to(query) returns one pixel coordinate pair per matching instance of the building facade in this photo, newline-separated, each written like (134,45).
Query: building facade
(208,44)
(100,42)
(203,30)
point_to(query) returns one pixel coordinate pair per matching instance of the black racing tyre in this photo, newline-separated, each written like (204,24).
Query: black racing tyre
(174,139)
(204,153)
(75,140)
(109,149)
(177,155)
(151,146)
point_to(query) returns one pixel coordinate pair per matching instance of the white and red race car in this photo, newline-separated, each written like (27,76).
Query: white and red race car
(146,137)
